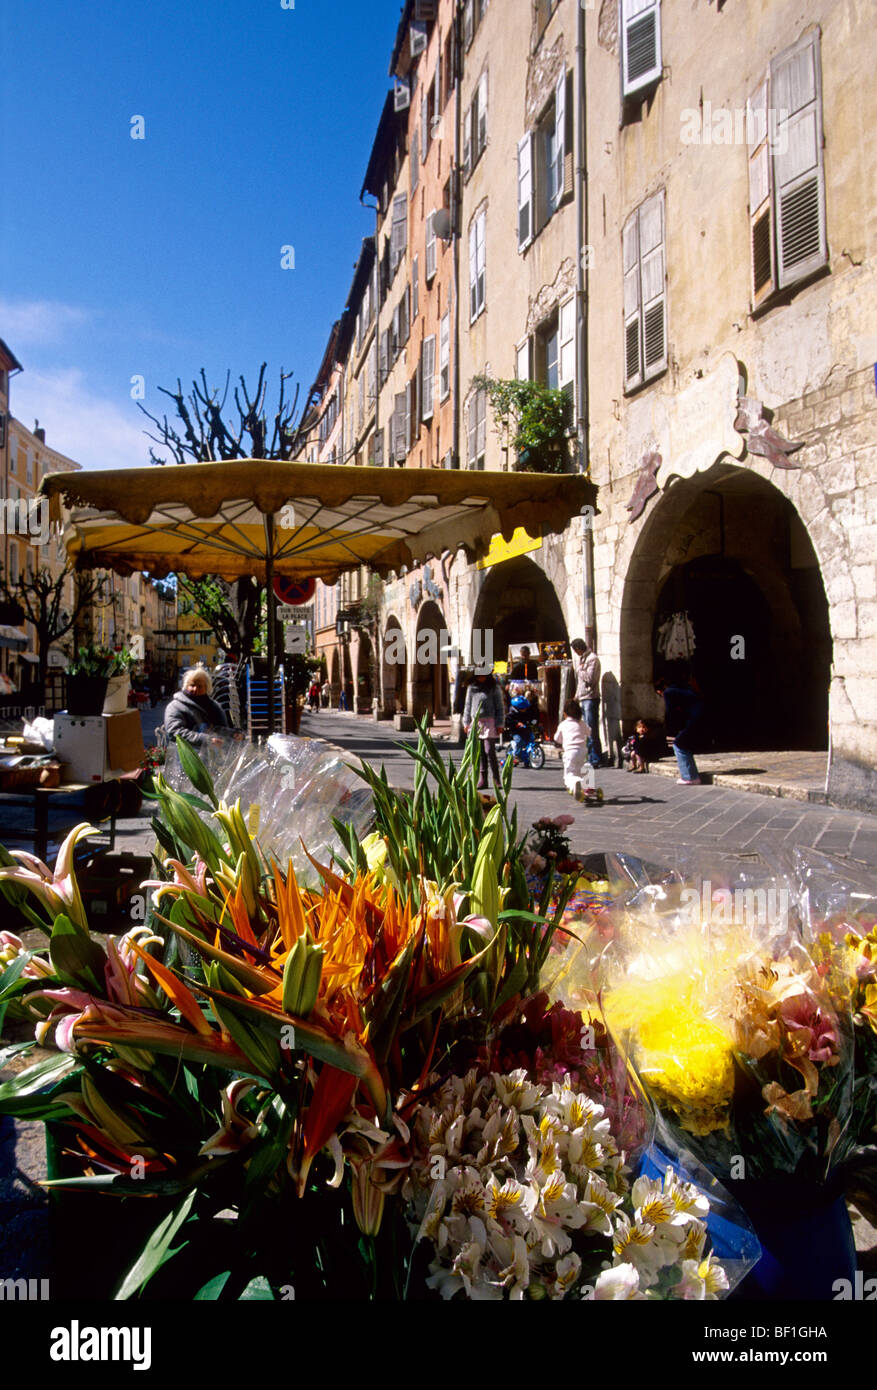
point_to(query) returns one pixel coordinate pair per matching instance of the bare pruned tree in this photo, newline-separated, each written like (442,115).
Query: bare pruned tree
(201,433)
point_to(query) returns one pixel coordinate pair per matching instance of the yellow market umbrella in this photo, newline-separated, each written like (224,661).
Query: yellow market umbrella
(264,517)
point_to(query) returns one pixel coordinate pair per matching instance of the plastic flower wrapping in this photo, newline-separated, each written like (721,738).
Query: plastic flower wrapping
(345,1078)
(741,1035)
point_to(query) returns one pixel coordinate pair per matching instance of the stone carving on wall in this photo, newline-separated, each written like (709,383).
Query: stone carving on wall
(607,27)
(761,438)
(543,70)
(646,486)
(549,296)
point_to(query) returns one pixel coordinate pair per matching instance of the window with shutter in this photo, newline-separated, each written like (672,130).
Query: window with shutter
(760,196)
(523,367)
(414,163)
(557,180)
(404,316)
(567,337)
(424,125)
(399,233)
(525,192)
(415,288)
(385,355)
(467,141)
(412,418)
(479,135)
(476,429)
(445,358)
(379,448)
(799,181)
(394,335)
(400,429)
(640,46)
(430,248)
(468,22)
(477,265)
(645,293)
(427,387)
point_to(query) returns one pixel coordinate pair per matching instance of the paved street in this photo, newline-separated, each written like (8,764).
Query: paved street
(646,812)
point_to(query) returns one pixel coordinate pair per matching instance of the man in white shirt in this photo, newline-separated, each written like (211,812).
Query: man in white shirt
(588,696)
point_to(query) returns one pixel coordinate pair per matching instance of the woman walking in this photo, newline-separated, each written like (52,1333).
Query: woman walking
(484,699)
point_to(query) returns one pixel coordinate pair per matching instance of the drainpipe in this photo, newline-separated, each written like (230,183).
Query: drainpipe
(377,683)
(582,287)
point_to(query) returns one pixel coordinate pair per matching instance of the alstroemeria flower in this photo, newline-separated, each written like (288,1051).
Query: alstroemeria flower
(703,1280)
(619,1283)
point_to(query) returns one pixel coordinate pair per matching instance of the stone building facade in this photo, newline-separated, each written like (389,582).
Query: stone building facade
(669,213)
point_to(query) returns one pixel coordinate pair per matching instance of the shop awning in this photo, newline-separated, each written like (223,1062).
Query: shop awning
(29,656)
(12,638)
(314,519)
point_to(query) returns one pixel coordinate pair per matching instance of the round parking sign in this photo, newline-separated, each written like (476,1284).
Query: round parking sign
(294,591)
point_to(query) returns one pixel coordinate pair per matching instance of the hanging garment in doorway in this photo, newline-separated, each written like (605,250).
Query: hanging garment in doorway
(676,638)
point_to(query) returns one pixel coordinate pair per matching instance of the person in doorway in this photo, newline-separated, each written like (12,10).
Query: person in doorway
(342,698)
(572,738)
(191,714)
(325,695)
(524,669)
(314,695)
(683,710)
(587,666)
(484,699)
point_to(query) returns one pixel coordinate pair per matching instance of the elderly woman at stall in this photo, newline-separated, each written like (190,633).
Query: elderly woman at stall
(191,714)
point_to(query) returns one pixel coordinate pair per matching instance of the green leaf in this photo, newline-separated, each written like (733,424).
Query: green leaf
(213,1288)
(196,771)
(76,958)
(258,1288)
(37,1078)
(157,1250)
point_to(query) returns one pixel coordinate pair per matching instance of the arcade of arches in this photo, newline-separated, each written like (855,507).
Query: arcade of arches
(724,585)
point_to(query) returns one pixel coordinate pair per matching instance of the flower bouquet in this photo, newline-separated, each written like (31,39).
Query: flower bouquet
(344,1088)
(736,1037)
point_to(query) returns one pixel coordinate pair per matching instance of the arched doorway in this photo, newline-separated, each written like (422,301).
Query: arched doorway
(430,668)
(335,676)
(724,585)
(364,669)
(517,603)
(395,668)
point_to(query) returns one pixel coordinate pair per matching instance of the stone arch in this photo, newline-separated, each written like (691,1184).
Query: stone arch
(729,549)
(430,686)
(394,667)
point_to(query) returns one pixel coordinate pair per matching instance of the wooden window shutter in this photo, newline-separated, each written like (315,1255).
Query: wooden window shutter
(379,448)
(523,361)
(633,372)
(473,269)
(569,141)
(760,196)
(653,283)
(472,431)
(640,45)
(468,25)
(414,163)
(525,191)
(424,124)
(427,387)
(399,231)
(430,248)
(559,138)
(415,287)
(479,136)
(567,342)
(481,424)
(385,355)
(799,179)
(467,141)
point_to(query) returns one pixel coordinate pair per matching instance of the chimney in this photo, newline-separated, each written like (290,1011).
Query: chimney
(39,434)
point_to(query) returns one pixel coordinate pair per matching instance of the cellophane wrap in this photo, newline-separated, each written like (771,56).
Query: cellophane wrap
(711,988)
(290,789)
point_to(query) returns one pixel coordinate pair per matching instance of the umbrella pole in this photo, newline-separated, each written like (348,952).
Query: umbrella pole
(269,580)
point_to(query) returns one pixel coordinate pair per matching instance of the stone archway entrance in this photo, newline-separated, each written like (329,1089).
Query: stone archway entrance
(430,675)
(724,585)
(394,668)
(364,668)
(517,603)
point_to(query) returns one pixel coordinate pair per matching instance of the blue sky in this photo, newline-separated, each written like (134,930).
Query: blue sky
(153,257)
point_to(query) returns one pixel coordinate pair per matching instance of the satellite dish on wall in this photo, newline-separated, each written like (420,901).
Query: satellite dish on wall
(441,224)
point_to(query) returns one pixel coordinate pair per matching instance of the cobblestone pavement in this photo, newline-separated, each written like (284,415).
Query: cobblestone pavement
(638,811)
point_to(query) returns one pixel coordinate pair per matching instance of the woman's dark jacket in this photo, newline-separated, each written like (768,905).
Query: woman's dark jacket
(189,716)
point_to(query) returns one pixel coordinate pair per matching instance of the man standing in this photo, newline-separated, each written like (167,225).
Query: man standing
(588,696)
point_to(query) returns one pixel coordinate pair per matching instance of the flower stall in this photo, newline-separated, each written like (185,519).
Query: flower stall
(428,1056)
